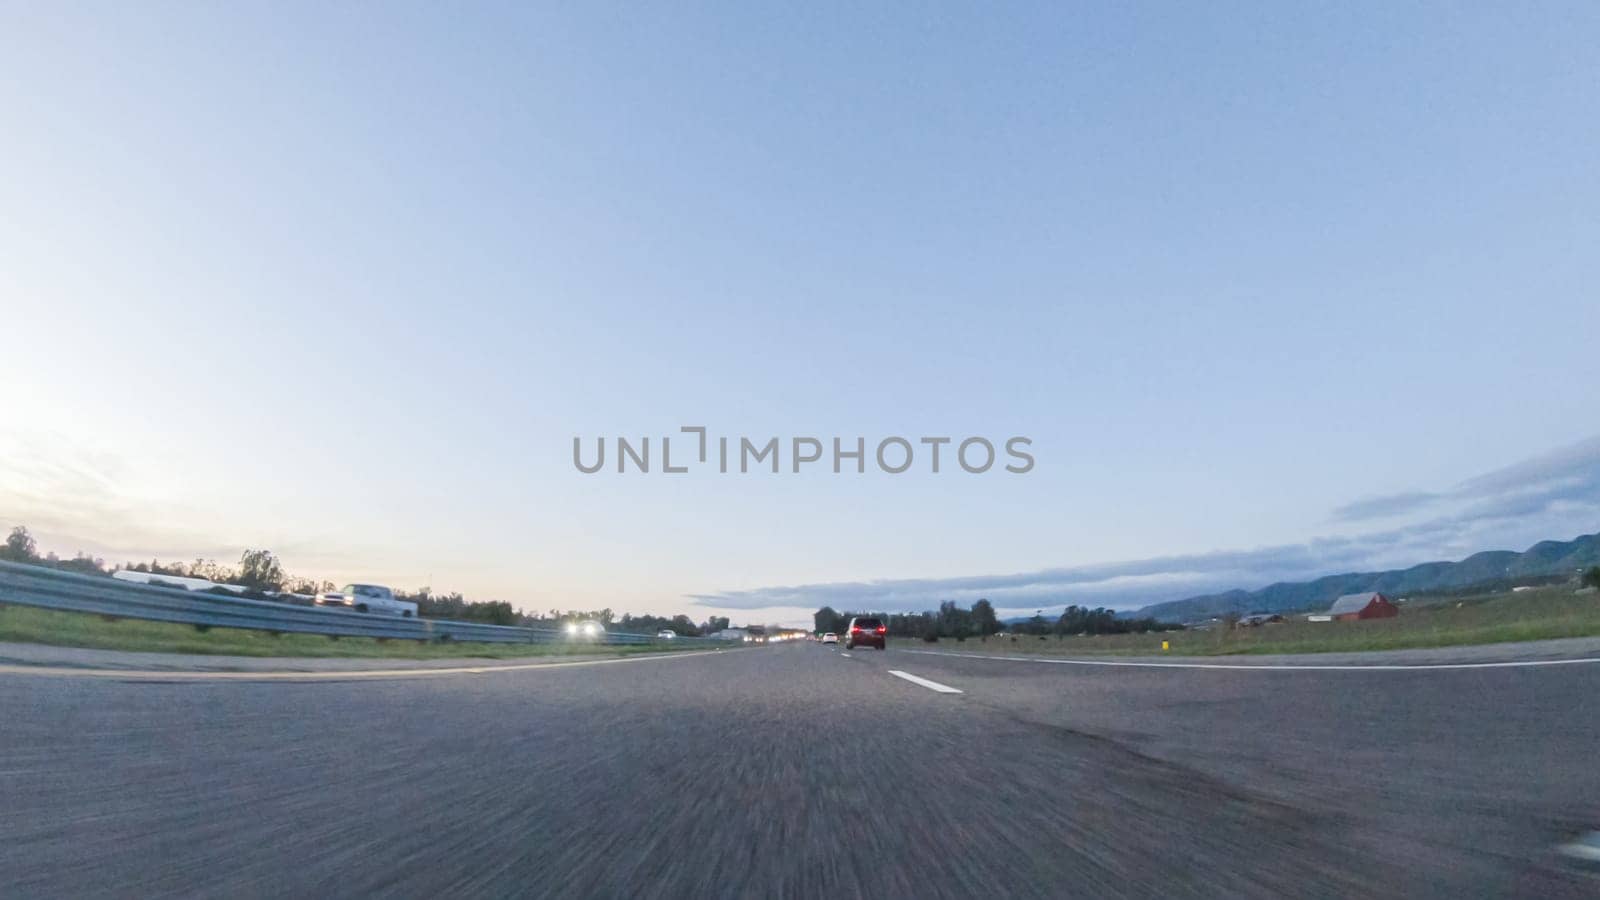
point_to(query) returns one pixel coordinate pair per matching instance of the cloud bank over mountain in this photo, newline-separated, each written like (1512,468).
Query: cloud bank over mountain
(1554,495)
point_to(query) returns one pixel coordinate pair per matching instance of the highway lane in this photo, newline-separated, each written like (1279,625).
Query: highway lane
(794,771)
(1468,776)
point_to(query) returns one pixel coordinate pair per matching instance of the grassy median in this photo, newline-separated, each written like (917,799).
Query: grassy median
(1425,622)
(66,629)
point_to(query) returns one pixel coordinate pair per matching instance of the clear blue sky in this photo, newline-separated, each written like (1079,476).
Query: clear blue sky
(345,282)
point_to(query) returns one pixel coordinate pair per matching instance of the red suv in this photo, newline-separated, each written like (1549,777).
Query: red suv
(865,631)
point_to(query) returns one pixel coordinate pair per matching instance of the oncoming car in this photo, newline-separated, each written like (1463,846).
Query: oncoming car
(587,630)
(866,631)
(666,634)
(830,638)
(367,598)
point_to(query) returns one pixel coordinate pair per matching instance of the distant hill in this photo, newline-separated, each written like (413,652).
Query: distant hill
(1543,558)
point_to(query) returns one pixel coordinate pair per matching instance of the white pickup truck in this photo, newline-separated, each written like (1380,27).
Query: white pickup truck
(362,598)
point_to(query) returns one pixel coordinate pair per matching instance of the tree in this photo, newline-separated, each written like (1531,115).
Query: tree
(455,606)
(984,618)
(1591,578)
(307,586)
(82,563)
(826,619)
(260,570)
(1036,624)
(20,546)
(953,620)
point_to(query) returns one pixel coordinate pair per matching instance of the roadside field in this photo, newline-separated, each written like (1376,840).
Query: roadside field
(1490,619)
(68,629)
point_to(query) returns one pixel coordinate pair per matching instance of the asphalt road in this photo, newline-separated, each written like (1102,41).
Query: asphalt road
(798,771)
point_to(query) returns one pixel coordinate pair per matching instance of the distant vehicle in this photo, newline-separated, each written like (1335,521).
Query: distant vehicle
(666,634)
(587,630)
(866,631)
(830,638)
(367,598)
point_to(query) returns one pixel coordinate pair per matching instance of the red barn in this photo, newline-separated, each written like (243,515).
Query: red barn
(1362,606)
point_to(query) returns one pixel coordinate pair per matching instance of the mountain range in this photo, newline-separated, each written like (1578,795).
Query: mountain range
(1542,559)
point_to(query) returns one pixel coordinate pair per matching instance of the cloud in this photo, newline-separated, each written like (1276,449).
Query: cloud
(1576,464)
(1569,474)
(1383,506)
(74,498)
(69,494)
(1553,495)
(1118,585)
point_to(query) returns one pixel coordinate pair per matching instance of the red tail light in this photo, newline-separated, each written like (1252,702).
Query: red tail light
(855,629)
(883,629)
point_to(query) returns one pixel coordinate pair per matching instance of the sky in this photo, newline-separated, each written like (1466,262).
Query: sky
(1274,290)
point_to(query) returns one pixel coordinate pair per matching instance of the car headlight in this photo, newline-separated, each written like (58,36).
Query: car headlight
(572,628)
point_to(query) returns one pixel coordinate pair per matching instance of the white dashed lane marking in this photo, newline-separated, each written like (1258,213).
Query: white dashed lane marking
(1585,848)
(930,685)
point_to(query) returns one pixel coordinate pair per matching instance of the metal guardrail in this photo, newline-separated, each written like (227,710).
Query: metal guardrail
(47,588)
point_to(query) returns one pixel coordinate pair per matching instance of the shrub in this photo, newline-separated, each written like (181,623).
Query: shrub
(930,638)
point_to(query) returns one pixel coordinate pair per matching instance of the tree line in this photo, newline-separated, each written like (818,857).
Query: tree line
(258,570)
(262,576)
(952,620)
(1090,620)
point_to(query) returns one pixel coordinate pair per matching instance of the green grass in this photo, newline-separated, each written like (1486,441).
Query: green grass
(1491,619)
(67,629)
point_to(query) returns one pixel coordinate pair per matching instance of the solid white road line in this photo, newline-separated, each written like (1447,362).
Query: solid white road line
(930,685)
(1376,667)
(845,655)
(349,675)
